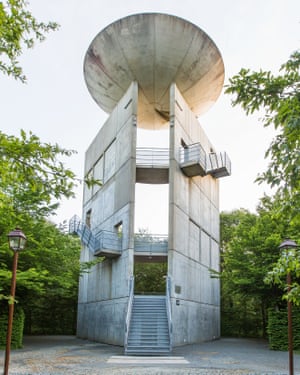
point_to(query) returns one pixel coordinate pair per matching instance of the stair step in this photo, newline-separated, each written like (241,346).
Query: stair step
(149,330)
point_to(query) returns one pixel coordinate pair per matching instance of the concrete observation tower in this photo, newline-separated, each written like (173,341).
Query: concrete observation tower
(151,71)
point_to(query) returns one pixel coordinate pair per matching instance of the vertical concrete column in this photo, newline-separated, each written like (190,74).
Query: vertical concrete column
(193,234)
(103,293)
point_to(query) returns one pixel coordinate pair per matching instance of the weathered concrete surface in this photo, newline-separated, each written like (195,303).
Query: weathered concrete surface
(103,292)
(154,50)
(193,235)
(151,71)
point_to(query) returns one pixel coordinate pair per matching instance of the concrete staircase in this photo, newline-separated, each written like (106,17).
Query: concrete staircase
(149,329)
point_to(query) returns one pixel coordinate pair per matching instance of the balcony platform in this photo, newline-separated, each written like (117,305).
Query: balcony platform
(152,175)
(107,253)
(193,168)
(152,165)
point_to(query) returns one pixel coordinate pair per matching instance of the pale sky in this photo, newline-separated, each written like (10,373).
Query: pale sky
(56,105)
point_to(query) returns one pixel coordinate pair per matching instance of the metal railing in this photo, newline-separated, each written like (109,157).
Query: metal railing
(152,157)
(129,310)
(169,311)
(195,153)
(217,161)
(103,240)
(152,243)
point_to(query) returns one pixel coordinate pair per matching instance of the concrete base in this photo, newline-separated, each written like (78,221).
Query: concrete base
(102,321)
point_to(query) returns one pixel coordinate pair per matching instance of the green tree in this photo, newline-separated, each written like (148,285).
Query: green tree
(250,252)
(278,98)
(32,178)
(19,29)
(47,277)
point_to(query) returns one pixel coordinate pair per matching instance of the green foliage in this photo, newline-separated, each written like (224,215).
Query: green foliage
(278,329)
(150,278)
(18,30)
(241,317)
(32,178)
(289,262)
(250,248)
(32,181)
(279,98)
(17,330)
(47,278)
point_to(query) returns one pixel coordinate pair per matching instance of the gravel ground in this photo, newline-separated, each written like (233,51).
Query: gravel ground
(68,355)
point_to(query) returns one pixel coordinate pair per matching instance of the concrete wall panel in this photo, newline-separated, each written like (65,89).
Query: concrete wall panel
(103,322)
(196,322)
(194,242)
(181,228)
(205,249)
(215,256)
(104,291)
(193,225)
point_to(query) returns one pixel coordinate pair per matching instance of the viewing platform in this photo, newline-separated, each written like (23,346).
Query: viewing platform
(109,244)
(152,164)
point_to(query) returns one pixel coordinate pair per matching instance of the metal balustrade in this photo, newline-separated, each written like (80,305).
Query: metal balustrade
(218,164)
(109,243)
(152,157)
(129,310)
(153,244)
(169,311)
(105,243)
(193,160)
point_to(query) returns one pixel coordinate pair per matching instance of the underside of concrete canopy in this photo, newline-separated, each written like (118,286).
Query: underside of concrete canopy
(155,50)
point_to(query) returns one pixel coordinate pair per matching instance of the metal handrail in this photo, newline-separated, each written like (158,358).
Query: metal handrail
(169,311)
(217,160)
(194,152)
(102,240)
(153,243)
(129,310)
(152,157)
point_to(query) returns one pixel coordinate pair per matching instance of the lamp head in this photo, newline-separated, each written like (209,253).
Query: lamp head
(288,244)
(16,240)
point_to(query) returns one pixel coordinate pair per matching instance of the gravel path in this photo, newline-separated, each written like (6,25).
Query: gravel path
(68,355)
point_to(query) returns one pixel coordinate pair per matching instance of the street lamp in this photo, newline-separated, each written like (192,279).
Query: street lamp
(285,245)
(16,241)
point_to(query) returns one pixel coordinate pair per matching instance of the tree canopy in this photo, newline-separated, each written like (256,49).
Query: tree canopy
(19,29)
(277,97)
(33,178)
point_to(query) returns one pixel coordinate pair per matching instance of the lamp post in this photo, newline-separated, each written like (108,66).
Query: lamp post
(16,241)
(289,244)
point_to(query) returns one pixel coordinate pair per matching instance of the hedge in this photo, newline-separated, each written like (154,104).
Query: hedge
(278,329)
(17,331)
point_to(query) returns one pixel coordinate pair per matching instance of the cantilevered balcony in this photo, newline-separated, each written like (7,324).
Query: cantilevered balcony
(218,164)
(152,165)
(109,244)
(194,161)
(104,243)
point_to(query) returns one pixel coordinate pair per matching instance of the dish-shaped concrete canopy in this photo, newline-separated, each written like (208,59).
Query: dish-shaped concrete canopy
(155,50)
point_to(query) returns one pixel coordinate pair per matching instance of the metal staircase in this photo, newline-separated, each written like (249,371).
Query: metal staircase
(149,329)
(106,244)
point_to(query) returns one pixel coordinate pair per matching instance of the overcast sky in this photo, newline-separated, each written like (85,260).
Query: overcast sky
(56,106)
